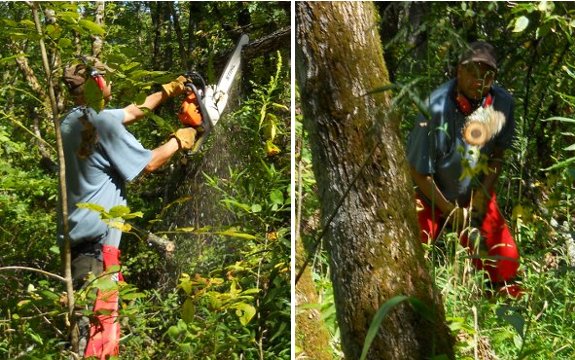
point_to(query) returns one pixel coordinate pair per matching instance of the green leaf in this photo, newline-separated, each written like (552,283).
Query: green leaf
(64,43)
(11,58)
(28,23)
(120,225)
(237,204)
(560,118)
(185,283)
(9,22)
(23,303)
(245,312)
(91,26)
(119,211)
(133,296)
(104,283)
(68,16)
(93,95)
(250,291)
(521,24)
(173,331)
(277,197)
(256,208)
(377,320)
(280,106)
(561,164)
(188,310)
(93,207)
(37,338)
(232,233)
(570,148)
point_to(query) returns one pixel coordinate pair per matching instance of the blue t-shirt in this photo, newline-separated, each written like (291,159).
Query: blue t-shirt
(99,176)
(436,147)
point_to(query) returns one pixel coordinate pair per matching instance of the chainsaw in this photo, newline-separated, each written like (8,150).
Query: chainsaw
(193,111)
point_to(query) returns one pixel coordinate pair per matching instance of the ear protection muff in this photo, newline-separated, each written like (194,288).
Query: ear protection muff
(99,79)
(97,76)
(464,105)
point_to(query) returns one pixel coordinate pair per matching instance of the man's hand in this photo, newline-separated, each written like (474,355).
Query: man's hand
(175,87)
(186,138)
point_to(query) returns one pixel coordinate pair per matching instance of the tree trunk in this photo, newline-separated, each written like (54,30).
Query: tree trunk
(179,36)
(97,42)
(312,338)
(373,242)
(156,15)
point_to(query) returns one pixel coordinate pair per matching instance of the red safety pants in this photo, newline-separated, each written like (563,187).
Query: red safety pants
(104,338)
(503,256)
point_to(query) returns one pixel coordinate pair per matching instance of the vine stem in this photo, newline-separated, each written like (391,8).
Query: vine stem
(67,253)
(43,272)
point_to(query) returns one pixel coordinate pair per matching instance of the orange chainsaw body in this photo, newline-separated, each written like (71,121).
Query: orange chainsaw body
(190,114)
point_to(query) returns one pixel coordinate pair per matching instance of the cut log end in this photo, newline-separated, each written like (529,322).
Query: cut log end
(163,245)
(475,133)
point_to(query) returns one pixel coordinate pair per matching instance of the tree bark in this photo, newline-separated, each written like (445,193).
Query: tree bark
(373,242)
(275,41)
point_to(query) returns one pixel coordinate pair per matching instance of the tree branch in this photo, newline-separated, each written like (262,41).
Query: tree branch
(40,271)
(67,255)
(97,41)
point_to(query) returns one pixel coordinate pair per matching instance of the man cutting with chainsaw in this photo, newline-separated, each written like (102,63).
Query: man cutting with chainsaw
(100,156)
(455,155)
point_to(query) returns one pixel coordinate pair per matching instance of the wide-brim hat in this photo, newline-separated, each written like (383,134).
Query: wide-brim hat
(480,51)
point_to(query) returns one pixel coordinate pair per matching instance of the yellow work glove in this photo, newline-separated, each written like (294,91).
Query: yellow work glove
(186,137)
(175,87)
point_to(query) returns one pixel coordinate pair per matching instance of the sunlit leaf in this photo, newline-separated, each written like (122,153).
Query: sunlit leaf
(277,197)
(93,95)
(232,233)
(91,26)
(188,310)
(521,24)
(245,312)
(119,211)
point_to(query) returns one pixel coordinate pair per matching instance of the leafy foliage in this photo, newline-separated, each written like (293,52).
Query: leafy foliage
(147,44)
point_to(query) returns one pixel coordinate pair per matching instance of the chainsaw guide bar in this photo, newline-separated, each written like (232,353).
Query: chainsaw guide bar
(224,85)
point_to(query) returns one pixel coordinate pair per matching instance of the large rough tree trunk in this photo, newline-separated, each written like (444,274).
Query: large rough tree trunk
(373,241)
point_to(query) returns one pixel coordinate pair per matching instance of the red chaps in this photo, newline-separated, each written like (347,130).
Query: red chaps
(502,258)
(104,338)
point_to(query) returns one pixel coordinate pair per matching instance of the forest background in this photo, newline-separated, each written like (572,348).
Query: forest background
(421,43)
(224,292)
